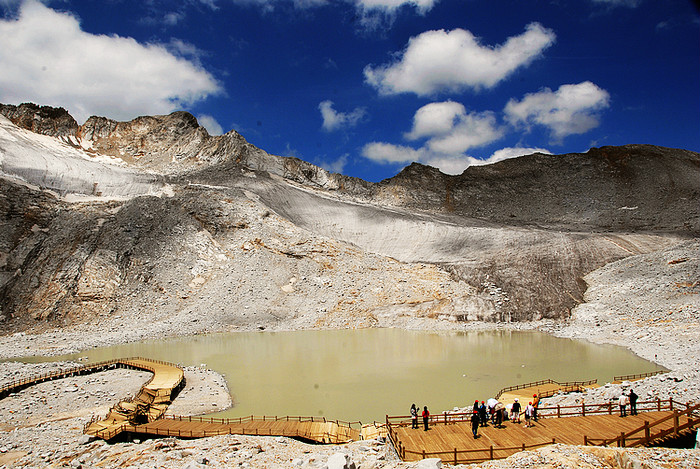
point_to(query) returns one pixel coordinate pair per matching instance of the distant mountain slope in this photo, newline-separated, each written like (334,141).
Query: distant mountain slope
(632,187)
(175,226)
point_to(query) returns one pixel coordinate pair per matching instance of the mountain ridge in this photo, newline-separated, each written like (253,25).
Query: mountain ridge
(173,225)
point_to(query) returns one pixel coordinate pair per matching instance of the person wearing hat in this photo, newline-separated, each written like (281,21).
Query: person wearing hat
(515,411)
(535,404)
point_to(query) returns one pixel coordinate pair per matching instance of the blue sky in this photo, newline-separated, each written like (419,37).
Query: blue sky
(365,87)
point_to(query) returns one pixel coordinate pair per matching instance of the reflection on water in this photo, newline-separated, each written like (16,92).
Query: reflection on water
(365,374)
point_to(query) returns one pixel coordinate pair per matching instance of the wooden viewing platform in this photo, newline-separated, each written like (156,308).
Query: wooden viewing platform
(450,436)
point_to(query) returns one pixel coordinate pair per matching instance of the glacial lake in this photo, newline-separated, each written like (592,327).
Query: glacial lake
(365,374)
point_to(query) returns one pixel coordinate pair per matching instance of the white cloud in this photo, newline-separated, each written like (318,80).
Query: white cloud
(388,153)
(362,5)
(421,5)
(448,164)
(437,61)
(510,152)
(210,123)
(451,130)
(572,109)
(334,120)
(48,59)
(337,166)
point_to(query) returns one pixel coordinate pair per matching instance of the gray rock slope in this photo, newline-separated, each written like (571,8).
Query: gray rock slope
(156,219)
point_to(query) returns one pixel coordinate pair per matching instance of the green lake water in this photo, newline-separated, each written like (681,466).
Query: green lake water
(365,374)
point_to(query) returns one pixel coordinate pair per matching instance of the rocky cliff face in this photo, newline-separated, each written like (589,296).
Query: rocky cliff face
(216,231)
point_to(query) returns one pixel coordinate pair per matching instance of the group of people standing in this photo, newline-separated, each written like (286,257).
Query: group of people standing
(630,399)
(482,410)
(414,417)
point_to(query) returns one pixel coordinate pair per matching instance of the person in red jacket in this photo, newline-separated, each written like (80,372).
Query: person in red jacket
(426,416)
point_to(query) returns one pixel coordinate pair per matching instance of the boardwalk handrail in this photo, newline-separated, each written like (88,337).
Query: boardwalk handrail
(692,412)
(573,385)
(628,439)
(260,418)
(18,384)
(638,376)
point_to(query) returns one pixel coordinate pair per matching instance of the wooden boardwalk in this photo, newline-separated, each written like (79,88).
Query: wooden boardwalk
(450,437)
(149,404)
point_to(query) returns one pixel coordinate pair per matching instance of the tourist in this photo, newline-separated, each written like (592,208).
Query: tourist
(633,402)
(482,414)
(529,413)
(499,408)
(475,407)
(491,403)
(475,423)
(515,411)
(623,404)
(426,417)
(414,416)
(535,405)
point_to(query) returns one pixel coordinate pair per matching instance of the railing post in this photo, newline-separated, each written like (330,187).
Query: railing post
(585,440)
(658,404)
(675,423)
(621,441)
(491,452)
(647,432)
(670,403)
(558,411)
(455,456)
(583,409)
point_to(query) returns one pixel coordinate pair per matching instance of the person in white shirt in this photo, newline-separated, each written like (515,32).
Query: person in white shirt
(623,404)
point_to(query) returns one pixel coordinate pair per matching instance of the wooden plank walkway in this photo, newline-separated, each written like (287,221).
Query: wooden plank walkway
(453,441)
(313,429)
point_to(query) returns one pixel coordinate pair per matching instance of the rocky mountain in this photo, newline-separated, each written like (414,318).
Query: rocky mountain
(155,219)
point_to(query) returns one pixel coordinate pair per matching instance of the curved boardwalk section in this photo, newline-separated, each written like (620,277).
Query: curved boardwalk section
(150,403)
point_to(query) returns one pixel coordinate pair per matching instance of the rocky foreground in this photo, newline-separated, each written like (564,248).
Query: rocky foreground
(649,303)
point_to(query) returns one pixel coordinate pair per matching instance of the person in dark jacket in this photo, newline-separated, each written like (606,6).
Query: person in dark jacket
(475,423)
(482,414)
(633,402)
(426,417)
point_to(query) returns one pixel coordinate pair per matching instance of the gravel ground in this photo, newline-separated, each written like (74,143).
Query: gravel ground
(648,303)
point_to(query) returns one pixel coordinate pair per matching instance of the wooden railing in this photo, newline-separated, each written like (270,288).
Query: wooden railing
(19,384)
(493,452)
(262,418)
(637,376)
(567,386)
(109,433)
(643,435)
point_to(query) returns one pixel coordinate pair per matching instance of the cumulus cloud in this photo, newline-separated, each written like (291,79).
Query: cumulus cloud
(510,152)
(438,61)
(48,59)
(448,164)
(448,130)
(334,120)
(451,130)
(362,5)
(336,166)
(572,109)
(210,123)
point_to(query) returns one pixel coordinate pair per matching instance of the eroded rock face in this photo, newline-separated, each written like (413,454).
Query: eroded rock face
(221,230)
(100,276)
(45,120)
